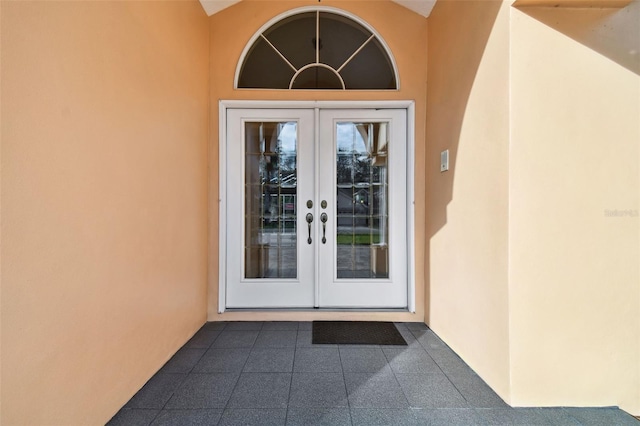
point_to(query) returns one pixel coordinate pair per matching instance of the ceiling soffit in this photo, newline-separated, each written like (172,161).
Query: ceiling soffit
(617,4)
(421,7)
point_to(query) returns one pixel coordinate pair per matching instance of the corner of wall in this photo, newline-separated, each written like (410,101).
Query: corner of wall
(468,69)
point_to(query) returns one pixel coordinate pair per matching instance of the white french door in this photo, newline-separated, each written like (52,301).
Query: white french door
(316,208)
(363,178)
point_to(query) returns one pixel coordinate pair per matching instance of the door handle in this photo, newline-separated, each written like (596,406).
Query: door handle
(309,220)
(323,219)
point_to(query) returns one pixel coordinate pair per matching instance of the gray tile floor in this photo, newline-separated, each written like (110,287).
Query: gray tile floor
(255,373)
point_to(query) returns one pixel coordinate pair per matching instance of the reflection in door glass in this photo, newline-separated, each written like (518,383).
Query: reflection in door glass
(270,247)
(362,194)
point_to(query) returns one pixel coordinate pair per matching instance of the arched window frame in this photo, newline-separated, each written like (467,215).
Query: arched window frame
(307,9)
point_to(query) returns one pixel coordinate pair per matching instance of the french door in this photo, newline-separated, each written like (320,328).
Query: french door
(316,208)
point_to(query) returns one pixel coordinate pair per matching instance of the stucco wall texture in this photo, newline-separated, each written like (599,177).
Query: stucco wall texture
(527,249)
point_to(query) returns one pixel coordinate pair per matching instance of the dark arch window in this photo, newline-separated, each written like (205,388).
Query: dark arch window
(317,50)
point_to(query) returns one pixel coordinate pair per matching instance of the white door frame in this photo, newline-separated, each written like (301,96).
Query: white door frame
(224,105)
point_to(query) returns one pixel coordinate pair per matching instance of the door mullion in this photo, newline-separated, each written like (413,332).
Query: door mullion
(317,201)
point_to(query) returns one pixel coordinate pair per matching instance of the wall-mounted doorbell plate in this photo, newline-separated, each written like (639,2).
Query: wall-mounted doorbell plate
(444,160)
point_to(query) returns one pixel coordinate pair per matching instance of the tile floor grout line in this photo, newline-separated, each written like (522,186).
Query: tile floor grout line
(344,380)
(394,373)
(293,363)
(447,375)
(443,372)
(226,405)
(186,376)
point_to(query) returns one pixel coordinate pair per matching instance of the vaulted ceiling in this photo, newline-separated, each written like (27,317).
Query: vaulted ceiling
(422,7)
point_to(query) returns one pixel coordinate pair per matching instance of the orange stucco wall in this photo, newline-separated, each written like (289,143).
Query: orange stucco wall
(574,238)
(109,186)
(104,188)
(533,233)
(404,32)
(468,114)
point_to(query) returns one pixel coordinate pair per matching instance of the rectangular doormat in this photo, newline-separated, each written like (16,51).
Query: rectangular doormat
(356,333)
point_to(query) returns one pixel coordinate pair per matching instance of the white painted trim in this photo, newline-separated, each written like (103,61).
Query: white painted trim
(248,104)
(279,53)
(411,206)
(224,105)
(304,9)
(315,65)
(353,55)
(316,190)
(222,206)
(318,40)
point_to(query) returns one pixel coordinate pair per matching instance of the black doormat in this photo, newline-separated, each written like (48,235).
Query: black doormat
(356,333)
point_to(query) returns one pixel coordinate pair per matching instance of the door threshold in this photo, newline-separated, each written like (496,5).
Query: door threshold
(316,310)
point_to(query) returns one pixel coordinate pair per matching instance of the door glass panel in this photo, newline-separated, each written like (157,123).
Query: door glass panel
(362,196)
(270,193)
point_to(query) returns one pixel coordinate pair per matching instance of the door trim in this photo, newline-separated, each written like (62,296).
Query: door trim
(224,105)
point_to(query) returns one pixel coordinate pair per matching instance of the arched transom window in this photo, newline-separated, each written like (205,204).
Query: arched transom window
(317,49)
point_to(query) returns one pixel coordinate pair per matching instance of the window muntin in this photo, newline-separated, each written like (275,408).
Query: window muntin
(317,50)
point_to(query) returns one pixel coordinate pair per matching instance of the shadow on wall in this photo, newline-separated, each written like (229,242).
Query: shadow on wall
(457,40)
(598,29)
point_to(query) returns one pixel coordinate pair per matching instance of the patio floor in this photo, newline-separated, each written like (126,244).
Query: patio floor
(269,373)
